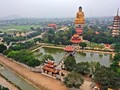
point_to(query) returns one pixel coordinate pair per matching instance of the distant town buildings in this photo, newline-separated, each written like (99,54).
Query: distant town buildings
(54,26)
(115,31)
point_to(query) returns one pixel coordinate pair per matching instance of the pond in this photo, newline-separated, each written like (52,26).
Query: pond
(58,54)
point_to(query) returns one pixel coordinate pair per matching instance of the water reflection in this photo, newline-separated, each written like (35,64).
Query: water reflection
(58,54)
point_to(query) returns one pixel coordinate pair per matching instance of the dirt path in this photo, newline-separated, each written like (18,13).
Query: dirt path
(5,83)
(39,80)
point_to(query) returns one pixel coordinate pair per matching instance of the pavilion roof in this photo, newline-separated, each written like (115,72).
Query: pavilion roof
(50,69)
(69,48)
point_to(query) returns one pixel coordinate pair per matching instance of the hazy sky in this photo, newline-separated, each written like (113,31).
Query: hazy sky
(58,8)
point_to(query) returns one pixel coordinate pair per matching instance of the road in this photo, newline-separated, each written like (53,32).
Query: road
(39,36)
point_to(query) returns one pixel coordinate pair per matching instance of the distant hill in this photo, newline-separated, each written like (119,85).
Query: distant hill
(10,17)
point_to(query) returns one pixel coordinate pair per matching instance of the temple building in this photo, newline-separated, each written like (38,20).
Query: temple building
(69,48)
(50,67)
(76,39)
(115,31)
(79,20)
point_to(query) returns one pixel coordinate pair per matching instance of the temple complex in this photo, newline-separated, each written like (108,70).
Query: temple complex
(115,31)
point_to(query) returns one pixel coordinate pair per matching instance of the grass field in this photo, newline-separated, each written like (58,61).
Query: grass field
(13,28)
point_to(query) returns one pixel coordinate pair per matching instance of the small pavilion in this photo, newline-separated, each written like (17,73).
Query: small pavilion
(69,48)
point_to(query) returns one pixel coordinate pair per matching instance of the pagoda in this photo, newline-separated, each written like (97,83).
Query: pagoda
(76,39)
(50,66)
(115,31)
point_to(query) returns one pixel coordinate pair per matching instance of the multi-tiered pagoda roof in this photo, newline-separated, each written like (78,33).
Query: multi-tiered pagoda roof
(75,39)
(116,25)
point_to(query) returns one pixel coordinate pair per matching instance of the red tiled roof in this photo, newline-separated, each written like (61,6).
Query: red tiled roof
(69,48)
(52,25)
(50,70)
(96,32)
(75,38)
(50,66)
(107,45)
(79,30)
(117,18)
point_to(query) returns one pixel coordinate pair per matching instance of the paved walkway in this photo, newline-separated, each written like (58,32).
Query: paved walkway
(39,80)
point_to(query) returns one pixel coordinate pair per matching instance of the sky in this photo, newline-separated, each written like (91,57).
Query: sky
(58,8)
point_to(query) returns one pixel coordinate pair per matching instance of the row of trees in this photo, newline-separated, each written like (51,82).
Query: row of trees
(83,68)
(102,37)
(105,77)
(2,48)
(24,56)
(19,46)
(12,38)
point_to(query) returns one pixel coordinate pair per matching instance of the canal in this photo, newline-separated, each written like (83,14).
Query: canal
(58,54)
(14,78)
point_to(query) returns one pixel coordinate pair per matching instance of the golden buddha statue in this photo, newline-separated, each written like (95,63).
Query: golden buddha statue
(80,17)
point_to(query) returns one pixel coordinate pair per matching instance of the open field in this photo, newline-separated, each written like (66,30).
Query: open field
(13,28)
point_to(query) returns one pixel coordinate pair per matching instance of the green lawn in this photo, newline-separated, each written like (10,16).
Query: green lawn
(12,28)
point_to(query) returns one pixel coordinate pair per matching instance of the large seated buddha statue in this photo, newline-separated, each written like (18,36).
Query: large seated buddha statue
(80,17)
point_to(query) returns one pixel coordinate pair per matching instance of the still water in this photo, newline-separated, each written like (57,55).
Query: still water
(58,54)
(20,82)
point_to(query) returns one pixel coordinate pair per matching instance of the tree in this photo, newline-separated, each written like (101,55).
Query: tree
(3,88)
(32,28)
(5,52)
(93,66)
(24,56)
(70,63)
(73,80)
(83,44)
(82,68)
(2,48)
(46,57)
(117,47)
(115,63)
(106,78)
(117,57)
